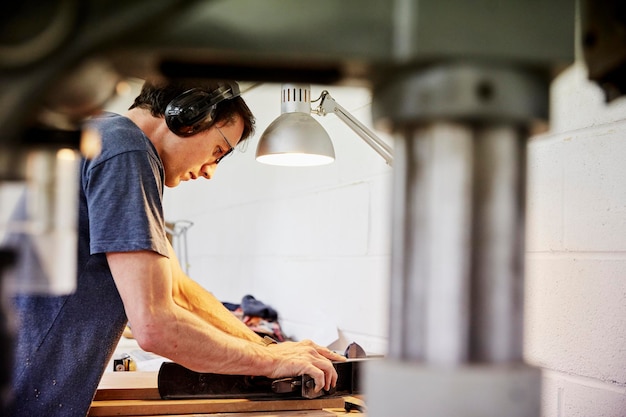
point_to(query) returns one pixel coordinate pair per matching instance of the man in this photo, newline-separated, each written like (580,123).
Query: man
(127,270)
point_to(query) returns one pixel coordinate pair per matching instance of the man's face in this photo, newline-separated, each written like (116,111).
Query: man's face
(197,156)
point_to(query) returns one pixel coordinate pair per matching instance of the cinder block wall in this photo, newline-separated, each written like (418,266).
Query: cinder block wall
(576,252)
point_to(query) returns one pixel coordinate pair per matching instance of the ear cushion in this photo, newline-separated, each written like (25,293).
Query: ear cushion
(193,110)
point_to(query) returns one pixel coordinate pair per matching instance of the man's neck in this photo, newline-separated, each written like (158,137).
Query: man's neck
(150,125)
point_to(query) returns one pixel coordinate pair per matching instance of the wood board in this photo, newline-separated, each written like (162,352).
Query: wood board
(128,386)
(303,413)
(168,407)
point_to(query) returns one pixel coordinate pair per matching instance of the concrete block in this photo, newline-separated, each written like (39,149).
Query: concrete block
(575,200)
(544,199)
(594,198)
(565,395)
(582,400)
(576,315)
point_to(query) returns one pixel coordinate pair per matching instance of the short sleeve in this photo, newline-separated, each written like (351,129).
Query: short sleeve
(124,197)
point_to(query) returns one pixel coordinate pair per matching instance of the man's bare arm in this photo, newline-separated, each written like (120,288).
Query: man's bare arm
(160,325)
(193,297)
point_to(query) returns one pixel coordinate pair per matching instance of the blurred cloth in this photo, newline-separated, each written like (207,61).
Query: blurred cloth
(253,307)
(258,316)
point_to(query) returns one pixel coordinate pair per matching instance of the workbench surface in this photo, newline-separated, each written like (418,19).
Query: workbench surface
(136,394)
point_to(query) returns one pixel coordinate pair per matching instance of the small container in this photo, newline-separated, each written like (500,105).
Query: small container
(124,363)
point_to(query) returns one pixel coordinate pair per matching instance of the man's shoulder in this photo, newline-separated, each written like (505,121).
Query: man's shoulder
(119,135)
(115,126)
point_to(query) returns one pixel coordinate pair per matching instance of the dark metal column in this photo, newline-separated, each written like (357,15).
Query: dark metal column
(457,256)
(497,246)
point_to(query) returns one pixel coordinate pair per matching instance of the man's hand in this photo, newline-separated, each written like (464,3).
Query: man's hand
(306,358)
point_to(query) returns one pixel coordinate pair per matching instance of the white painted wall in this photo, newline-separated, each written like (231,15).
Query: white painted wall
(576,252)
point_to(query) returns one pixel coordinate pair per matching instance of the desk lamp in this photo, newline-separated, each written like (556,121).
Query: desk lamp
(295,138)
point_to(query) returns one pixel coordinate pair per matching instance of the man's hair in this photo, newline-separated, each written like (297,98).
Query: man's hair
(156,95)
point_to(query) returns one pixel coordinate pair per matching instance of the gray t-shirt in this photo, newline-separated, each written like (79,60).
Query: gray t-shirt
(64,343)
(122,192)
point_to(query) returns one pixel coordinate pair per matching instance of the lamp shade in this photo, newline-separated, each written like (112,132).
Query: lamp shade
(295,139)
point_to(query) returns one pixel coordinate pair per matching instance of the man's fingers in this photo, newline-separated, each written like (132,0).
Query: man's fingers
(330,372)
(331,380)
(310,359)
(333,356)
(319,377)
(330,375)
(329,354)
(324,374)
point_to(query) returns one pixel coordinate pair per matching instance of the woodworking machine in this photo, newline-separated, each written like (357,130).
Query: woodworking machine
(178,382)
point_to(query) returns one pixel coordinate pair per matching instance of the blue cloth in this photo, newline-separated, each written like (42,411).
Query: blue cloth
(64,343)
(253,307)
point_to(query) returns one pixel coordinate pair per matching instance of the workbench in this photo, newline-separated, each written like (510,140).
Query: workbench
(137,394)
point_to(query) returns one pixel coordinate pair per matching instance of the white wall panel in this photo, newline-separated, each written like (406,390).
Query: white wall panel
(544,229)
(576,263)
(565,395)
(576,321)
(594,203)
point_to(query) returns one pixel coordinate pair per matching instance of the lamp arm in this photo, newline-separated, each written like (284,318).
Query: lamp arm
(329,105)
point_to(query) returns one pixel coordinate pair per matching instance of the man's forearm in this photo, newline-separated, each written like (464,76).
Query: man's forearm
(193,297)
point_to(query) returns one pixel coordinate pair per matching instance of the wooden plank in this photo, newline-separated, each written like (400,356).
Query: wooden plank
(168,407)
(302,413)
(127,394)
(128,386)
(136,393)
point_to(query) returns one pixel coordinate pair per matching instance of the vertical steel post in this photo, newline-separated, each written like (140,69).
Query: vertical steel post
(433,186)
(498,249)
(457,254)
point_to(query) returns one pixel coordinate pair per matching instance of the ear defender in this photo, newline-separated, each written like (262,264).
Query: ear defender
(193,110)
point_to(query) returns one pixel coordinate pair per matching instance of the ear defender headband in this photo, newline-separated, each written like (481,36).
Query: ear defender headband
(193,110)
